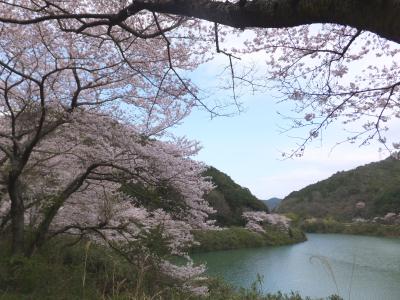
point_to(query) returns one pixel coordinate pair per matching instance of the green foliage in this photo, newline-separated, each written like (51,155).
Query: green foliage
(323,226)
(83,271)
(388,201)
(295,219)
(237,237)
(56,273)
(332,226)
(151,244)
(220,290)
(376,184)
(230,199)
(163,196)
(232,238)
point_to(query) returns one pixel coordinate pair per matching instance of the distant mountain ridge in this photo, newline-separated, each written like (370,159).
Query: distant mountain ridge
(272,203)
(366,191)
(230,199)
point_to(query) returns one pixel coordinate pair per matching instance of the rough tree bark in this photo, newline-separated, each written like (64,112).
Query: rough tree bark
(378,16)
(17,213)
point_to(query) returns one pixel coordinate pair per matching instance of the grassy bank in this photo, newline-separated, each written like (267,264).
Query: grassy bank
(87,271)
(220,290)
(239,237)
(62,271)
(331,226)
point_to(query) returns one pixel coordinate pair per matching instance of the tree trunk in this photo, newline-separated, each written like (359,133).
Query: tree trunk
(51,212)
(17,215)
(43,228)
(378,16)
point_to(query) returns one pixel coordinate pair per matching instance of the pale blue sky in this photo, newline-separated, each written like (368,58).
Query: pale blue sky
(248,146)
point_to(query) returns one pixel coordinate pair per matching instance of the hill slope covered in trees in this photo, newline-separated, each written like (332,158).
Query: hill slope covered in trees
(375,184)
(230,200)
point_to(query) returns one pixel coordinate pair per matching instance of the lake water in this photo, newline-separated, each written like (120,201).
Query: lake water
(355,267)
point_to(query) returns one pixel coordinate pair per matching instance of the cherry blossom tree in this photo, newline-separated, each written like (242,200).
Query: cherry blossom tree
(71,185)
(256,221)
(78,112)
(66,63)
(77,124)
(334,60)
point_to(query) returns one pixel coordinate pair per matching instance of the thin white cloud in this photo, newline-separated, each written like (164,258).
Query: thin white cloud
(315,166)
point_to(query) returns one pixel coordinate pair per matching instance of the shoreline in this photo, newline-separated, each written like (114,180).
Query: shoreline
(366,229)
(239,238)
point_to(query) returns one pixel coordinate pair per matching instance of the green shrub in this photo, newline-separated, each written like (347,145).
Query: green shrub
(373,229)
(238,237)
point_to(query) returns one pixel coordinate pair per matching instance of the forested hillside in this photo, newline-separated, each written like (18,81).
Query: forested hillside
(375,187)
(230,199)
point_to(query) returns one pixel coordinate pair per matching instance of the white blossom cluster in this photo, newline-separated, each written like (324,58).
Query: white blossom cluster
(256,220)
(189,276)
(97,208)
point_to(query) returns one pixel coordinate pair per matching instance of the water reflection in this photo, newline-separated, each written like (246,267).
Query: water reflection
(362,267)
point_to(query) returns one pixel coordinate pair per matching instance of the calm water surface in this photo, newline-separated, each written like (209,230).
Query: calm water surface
(355,267)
